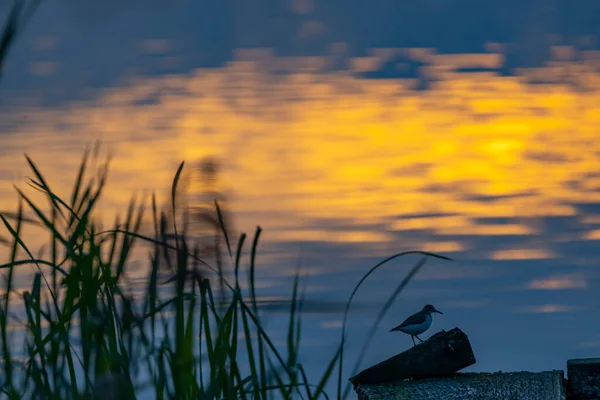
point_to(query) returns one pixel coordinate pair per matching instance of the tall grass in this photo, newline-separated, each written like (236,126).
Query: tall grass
(86,335)
(20,13)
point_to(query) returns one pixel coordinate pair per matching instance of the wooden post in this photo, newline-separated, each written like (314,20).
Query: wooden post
(441,355)
(584,378)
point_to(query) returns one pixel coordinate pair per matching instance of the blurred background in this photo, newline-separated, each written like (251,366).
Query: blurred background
(349,131)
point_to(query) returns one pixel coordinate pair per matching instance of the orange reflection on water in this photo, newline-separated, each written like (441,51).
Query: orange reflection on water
(558,282)
(592,235)
(302,150)
(522,254)
(549,308)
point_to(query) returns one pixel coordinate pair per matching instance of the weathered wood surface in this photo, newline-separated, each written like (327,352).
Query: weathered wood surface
(441,355)
(473,386)
(584,378)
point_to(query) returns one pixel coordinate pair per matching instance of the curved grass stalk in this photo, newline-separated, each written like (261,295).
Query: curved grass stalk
(348,303)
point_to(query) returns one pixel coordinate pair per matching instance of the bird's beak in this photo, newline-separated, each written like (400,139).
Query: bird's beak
(439,312)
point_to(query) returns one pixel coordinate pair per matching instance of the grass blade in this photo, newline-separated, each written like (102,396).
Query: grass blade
(377,266)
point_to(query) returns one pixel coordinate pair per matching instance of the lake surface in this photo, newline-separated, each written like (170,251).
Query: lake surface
(344,160)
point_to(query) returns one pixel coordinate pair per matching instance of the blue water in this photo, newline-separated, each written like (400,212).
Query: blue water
(349,133)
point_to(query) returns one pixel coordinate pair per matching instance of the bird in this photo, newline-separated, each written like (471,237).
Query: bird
(417,323)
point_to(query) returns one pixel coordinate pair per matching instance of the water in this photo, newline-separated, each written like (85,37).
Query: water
(343,167)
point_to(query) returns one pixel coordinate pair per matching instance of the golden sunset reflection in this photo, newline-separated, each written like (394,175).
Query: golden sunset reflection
(558,282)
(522,254)
(549,308)
(592,235)
(343,159)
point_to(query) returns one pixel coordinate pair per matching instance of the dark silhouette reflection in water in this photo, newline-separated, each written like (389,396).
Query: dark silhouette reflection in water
(198,222)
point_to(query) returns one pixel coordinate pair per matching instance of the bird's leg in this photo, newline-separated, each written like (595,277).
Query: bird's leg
(413,339)
(419,339)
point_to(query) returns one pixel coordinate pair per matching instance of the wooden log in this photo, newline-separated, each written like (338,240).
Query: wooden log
(584,378)
(443,354)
